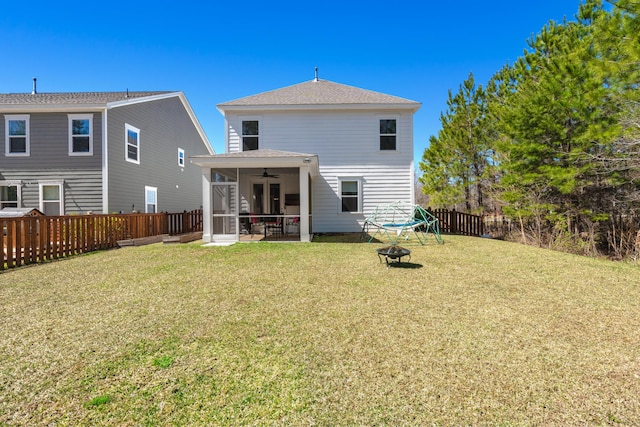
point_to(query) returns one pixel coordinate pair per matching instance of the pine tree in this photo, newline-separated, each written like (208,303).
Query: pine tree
(558,115)
(455,164)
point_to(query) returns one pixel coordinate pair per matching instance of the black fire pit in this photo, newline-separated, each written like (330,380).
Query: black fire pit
(393,254)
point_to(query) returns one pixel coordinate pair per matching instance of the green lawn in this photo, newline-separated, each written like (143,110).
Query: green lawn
(478,332)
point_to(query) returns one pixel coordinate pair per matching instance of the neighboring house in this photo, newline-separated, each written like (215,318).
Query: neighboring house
(75,153)
(321,153)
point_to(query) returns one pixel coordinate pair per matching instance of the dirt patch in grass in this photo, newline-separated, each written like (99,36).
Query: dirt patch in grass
(484,333)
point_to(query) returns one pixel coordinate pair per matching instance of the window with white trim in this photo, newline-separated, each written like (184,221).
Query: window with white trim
(16,133)
(180,157)
(132,144)
(150,199)
(80,134)
(388,134)
(10,194)
(250,135)
(350,190)
(51,198)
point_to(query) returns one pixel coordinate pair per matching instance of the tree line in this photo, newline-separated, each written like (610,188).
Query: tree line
(553,140)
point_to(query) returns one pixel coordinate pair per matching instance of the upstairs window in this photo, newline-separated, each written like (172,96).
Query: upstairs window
(180,157)
(16,135)
(9,195)
(132,144)
(80,134)
(388,134)
(250,135)
(350,190)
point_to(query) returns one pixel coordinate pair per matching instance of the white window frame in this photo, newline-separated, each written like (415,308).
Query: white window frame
(128,128)
(14,117)
(341,181)
(242,135)
(380,118)
(73,117)
(18,186)
(148,189)
(60,185)
(181,157)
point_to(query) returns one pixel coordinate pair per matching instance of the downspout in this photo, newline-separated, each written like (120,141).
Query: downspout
(413,183)
(237,204)
(105,163)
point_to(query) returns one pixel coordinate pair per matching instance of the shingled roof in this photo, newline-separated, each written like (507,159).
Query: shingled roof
(319,92)
(68,98)
(263,153)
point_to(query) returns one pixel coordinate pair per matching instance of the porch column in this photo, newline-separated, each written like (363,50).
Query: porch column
(304,204)
(207,215)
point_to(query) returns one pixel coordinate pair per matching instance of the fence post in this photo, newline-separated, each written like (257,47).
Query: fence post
(185,222)
(12,246)
(453,221)
(3,244)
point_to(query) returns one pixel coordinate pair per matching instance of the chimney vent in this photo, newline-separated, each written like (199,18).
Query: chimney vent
(316,79)
(34,91)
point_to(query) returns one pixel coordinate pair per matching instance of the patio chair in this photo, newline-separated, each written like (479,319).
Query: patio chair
(275,226)
(255,222)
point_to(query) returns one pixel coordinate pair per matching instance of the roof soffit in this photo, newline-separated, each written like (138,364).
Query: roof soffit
(259,159)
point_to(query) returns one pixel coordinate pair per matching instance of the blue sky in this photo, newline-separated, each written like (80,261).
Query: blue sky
(218,51)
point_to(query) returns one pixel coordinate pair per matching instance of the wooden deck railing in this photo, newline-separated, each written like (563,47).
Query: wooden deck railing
(29,240)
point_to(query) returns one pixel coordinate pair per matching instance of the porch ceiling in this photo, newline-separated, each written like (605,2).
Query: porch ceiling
(258,159)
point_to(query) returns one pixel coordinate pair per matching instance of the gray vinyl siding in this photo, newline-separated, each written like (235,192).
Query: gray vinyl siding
(164,127)
(49,143)
(82,188)
(49,161)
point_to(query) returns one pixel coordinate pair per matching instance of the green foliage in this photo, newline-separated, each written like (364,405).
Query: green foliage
(558,131)
(456,164)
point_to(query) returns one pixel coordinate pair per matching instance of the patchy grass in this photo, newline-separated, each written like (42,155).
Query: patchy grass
(99,401)
(479,332)
(163,362)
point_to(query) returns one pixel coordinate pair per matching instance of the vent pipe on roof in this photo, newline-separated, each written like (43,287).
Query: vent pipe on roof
(316,79)
(34,91)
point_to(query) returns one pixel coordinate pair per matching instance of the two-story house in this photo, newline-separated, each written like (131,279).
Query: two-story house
(319,153)
(102,152)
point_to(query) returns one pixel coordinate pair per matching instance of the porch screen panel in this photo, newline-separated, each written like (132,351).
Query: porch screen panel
(224,200)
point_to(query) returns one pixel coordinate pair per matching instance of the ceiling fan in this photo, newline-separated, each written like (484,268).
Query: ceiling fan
(266,174)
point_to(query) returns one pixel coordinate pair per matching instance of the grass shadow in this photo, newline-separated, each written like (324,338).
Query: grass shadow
(404,265)
(361,238)
(343,238)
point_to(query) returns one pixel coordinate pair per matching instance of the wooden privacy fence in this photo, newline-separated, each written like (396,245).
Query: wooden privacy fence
(454,222)
(185,222)
(29,240)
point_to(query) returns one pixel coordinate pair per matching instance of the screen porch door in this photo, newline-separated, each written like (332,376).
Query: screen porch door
(225,209)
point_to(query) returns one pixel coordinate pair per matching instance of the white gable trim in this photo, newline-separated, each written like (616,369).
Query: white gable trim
(185,103)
